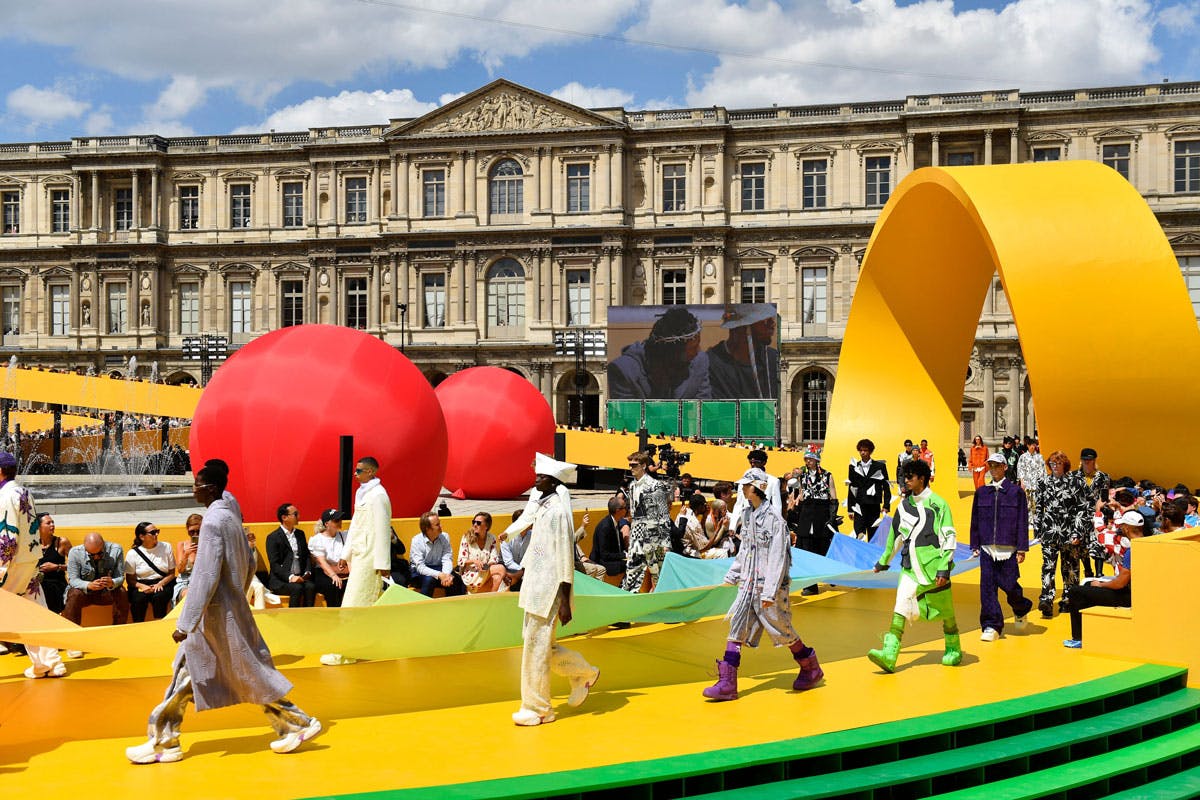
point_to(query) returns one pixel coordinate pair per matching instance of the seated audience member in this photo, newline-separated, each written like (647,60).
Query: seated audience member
(185,556)
(686,488)
(696,541)
(400,572)
(1190,518)
(149,573)
(431,562)
(479,557)
(326,550)
(723,491)
(290,564)
(611,537)
(257,594)
(96,577)
(716,528)
(53,562)
(1115,591)
(582,562)
(512,551)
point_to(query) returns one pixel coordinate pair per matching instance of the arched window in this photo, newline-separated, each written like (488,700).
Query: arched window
(814,405)
(506,294)
(506,190)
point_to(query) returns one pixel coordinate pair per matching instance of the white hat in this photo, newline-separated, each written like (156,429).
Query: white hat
(545,465)
(756,478)
(996,458)
(738,315)
(1132,518)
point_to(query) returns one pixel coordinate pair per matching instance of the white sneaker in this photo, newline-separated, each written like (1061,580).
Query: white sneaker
(527,718)
(3,648)
(1020,623)
(336,660)
(293,740)
(580,688)
(74,654)
(150,753)
(989,635)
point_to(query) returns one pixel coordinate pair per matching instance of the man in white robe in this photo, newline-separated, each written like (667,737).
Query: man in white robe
(549,565)
(368,550)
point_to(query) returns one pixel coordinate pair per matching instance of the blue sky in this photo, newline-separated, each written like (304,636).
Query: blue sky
(178,67)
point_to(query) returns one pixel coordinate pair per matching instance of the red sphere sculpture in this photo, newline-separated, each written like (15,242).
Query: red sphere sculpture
(276,409)
(495,421)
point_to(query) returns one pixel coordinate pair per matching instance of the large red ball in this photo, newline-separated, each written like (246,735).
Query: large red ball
(495,421)
(276,409)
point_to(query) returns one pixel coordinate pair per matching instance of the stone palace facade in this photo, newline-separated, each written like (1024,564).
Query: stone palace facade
(507,220)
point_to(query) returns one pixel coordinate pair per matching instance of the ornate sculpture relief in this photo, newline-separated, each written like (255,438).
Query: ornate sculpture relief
(505,111)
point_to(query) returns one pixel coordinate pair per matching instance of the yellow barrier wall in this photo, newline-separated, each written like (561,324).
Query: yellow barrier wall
(1102,313)
(99,391)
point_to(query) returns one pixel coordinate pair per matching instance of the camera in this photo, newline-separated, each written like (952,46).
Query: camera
(671,460)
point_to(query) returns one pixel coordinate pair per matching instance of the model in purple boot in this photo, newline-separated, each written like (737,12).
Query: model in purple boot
(760,572)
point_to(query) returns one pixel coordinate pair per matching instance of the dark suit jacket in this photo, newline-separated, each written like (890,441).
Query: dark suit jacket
(606,547)
(279,555)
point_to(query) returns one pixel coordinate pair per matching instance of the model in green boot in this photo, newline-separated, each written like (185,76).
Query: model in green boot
(923,531)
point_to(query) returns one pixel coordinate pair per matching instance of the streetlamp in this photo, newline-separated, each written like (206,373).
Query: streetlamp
(403,308)
(205,349)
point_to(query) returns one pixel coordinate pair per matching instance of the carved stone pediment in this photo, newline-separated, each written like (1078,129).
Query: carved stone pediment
(290,266)
(502,106)
(755,254)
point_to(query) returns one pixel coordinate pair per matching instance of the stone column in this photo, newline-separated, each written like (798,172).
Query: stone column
(537,179)
(545,176)
(76,201)
(604,179)
(400,187)
(137,200)
(375,195)
(393,169)
(908,152)
(314,201)
(987,146)
(616,271)
(696,201)
(333,193)
(1013,156)
(95,200)
(617,179)
(460,270)
(695,292)
(989,395)
(935,159)
(719,182)
(461,184)
(1016,423)
(469,187)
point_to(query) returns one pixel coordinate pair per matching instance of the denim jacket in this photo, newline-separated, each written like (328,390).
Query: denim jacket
(1000,517)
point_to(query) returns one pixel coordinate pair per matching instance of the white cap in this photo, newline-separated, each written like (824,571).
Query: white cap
(1132,518)
(996,458)
(545,465)
(756,478)
(739,315)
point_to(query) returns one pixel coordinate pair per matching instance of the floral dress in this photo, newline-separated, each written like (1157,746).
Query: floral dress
(487,555)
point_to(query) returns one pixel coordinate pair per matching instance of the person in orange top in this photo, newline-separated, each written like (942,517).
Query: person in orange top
(977,461)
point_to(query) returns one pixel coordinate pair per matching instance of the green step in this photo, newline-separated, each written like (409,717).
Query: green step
(976,764)
(753,765)
(1180,786)
(1136,765)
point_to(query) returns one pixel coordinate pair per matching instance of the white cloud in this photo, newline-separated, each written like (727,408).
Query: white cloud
(592,96)
(877,49)
(257,48)
(99,123)
(346,108)
(1180,18)
(44,106)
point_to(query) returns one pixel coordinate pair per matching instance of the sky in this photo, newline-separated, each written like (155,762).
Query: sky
(182,67)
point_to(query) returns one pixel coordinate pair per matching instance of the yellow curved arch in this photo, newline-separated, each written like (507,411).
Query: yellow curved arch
(1104,320)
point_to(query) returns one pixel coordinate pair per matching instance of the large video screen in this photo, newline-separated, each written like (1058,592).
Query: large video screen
(702,352)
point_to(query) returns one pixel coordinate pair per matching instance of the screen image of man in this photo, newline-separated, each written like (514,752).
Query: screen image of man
(746,364)
(667,365)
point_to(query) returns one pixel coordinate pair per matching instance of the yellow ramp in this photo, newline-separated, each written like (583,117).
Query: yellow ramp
(97,391)
(1092,282)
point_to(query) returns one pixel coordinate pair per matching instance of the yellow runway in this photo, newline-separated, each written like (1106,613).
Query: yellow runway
(425,722)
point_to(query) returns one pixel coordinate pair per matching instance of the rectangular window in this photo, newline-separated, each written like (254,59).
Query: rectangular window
(356,303)
(433,286)
(12,211)
(816,287)
(433,188)
(579,181)
(879,180)
(1187,168)
(293,204)
(292,303)
(60,210)
(960,159)
(674,287)
(1190,267)
(674,187)
(1047,153)
(189,308)
(754,285)
(356,200)
(60,310)
(1117,157)
(816,172)
(239,307)
(579,297)
(754,187)
(239,206)
(123,209)
(118,308)
(189,208)
(10,305)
